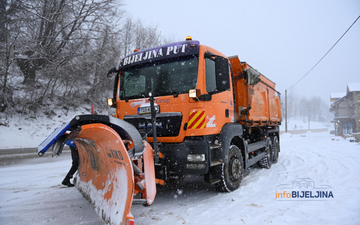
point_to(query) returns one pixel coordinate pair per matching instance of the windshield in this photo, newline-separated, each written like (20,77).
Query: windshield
(162,78)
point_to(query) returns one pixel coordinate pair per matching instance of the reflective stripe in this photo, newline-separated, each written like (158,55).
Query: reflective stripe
(196,120)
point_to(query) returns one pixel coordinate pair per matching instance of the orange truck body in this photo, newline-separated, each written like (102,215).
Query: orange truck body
(261,101)
(196,131)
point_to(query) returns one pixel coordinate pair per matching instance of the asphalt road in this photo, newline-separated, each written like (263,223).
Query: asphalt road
(19,155)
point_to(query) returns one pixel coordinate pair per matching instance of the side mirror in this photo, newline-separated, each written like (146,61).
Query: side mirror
(112,71)
(209,55)
(205,97)
(222,74)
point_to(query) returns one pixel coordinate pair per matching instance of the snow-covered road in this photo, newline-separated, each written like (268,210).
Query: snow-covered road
(30,192)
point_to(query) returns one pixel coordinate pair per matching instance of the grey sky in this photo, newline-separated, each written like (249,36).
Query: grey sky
(282,39)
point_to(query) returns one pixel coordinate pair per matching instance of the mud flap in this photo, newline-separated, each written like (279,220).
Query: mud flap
(105,173)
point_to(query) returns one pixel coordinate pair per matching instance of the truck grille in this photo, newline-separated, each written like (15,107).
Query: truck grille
(167,124)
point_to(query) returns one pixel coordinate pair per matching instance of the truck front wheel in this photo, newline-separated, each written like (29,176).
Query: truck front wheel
(232,171)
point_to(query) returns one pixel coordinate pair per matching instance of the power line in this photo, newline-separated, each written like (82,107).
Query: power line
(325,54)
(312,69)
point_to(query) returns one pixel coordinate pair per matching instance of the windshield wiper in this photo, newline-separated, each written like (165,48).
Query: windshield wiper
(141,95)
(174,93)
(144,95)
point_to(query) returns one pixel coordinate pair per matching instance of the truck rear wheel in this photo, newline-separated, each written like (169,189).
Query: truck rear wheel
(275,150)
(267,160)
(232,171)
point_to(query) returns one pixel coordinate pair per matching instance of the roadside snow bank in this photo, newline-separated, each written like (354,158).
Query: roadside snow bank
(18,131)
(303,125)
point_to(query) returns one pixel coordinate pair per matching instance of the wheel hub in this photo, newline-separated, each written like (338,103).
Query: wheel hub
(235,168)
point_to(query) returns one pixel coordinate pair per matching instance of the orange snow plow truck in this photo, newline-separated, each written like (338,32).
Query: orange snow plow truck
(181,109)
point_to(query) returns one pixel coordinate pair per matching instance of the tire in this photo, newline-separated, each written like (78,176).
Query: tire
(232,171)
(267,160)
(275,150)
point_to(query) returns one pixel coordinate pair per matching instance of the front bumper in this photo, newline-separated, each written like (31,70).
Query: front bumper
(177,154)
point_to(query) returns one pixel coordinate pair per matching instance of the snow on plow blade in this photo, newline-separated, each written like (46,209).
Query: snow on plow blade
(115,164)
(105,172)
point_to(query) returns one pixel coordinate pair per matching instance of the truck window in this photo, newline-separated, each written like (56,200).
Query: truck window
(210,76)
(134,83)
(166,77)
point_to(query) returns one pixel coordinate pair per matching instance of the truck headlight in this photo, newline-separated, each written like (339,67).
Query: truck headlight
(195,157)
(194,93)
(110,102)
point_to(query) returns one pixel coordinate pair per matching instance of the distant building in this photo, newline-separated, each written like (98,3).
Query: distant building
(336,96)
(346,109)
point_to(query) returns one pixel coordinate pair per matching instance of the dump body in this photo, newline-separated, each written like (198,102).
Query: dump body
(257,102)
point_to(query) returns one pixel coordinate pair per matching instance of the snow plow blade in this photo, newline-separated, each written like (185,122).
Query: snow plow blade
(105,172)
(115,164)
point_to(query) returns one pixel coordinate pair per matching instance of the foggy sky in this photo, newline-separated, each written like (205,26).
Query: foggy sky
(282,39)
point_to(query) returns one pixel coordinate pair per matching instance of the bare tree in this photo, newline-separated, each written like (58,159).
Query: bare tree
(9,32)
(136,35)
(53,29)
(114,45)
(307,108)
(63,49)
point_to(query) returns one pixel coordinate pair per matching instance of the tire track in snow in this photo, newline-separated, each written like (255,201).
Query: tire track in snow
(314,156)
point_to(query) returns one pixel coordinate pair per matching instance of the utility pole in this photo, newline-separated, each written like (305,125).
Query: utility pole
(309,120)
(285,110)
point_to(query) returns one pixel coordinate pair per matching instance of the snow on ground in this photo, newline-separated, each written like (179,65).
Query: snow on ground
(30,192)
(304,125)
(23,132)
(29,132)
